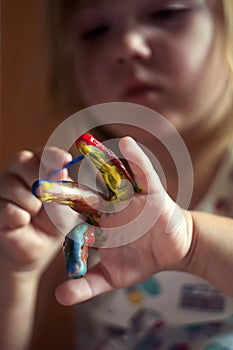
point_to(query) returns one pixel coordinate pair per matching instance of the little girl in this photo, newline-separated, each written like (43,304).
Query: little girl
(173,290)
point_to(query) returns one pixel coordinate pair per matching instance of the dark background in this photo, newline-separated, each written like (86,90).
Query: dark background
(27,119)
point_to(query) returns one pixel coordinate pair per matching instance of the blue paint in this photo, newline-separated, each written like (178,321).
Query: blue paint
(74,242)
(67,166)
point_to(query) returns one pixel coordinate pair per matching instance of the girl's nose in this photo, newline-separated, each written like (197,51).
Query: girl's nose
(134,46)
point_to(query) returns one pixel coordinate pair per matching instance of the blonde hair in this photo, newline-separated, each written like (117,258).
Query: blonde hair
(63,86)
(227,21)
(227,6)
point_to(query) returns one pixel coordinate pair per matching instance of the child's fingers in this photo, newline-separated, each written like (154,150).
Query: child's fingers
(95,282)
(14,190)
(144,173)
(53,158)
(18,203)
(52,219)
(12,216)
(26,164)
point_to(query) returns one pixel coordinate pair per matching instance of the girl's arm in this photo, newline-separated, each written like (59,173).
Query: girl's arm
(18,294)
(28,244)
(211,252)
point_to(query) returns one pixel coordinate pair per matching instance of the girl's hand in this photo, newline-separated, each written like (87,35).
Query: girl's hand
(163,244)
(28,239)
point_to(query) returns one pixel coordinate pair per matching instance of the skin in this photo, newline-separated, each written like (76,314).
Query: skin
(183,58)
(166,55)
(189,246)
(28,244)
(172,48)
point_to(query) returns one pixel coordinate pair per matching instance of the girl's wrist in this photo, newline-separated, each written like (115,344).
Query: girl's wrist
(15,278)
(188,263)
(18,296)
(18,285)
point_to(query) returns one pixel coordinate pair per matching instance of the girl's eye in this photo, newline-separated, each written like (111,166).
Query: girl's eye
(169,13)
(95,32)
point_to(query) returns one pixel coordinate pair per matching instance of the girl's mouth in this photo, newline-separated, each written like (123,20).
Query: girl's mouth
(138,90)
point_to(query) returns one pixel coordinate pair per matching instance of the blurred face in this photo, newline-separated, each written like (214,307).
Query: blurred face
(164,54)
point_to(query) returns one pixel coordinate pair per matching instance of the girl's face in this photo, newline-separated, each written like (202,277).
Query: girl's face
(164,54)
